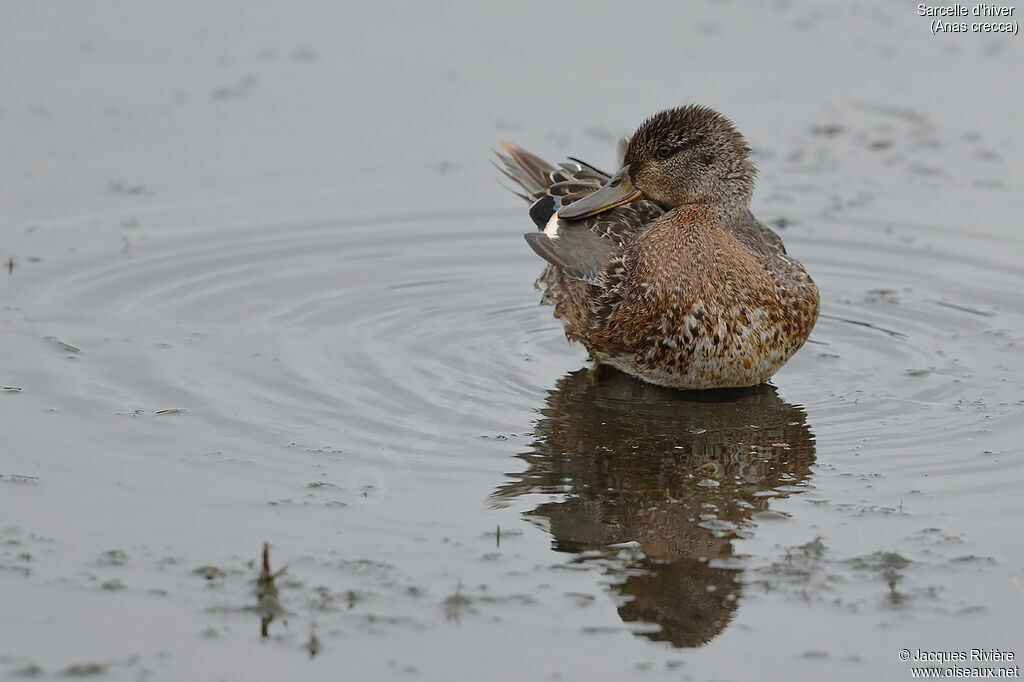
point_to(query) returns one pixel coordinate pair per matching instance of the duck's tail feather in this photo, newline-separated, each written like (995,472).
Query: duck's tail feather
(547,187)
(527,170)
(538,179)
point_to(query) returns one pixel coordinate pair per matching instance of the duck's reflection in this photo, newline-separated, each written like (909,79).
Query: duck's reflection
(679,473)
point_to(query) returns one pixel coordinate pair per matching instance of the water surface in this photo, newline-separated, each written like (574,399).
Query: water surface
(262,288)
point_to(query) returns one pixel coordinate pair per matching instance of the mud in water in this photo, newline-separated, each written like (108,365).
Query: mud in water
(260,286)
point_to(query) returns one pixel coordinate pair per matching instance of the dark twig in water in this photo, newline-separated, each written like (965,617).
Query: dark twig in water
(10,265)
(266,593)
(962,308)
(890,332)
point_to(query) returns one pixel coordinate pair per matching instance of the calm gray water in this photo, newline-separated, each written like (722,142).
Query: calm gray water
(260,286)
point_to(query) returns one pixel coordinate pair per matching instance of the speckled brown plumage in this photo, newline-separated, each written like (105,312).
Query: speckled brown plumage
(682,287)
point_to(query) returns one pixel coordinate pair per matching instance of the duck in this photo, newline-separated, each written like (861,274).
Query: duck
(660,270)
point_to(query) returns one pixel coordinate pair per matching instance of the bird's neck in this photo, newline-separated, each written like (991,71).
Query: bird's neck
(710,214)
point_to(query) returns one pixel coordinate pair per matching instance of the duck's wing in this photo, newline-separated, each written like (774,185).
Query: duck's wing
(577,251)
(759,237)
(580,248)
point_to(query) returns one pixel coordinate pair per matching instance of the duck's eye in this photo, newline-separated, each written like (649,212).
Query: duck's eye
(663,152)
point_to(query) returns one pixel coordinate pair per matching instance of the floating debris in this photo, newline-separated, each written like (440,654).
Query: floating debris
(123,188)
(84,670)
(210,572)
(63,346)
(19,478)
(30,670)
(113,557)
(456,603)
(890,566)
(962,308)
(238,90)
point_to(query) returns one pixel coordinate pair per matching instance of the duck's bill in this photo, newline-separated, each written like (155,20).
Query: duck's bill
(616,192)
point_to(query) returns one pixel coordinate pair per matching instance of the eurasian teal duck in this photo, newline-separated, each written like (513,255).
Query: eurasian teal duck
(661,270)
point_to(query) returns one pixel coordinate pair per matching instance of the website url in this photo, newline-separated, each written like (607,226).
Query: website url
(977,672)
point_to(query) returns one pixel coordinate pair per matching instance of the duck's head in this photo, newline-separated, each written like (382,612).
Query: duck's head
(687,155)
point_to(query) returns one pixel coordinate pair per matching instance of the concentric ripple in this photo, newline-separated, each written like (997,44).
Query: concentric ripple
(415,333)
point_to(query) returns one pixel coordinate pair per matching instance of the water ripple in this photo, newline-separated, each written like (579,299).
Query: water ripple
(415,333)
